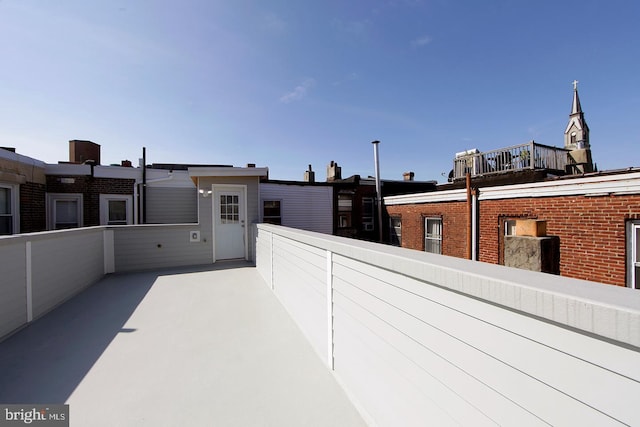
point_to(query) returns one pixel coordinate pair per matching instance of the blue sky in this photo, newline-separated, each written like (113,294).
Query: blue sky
(285,84)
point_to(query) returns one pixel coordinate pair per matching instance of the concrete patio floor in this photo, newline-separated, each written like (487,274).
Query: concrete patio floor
(181,347)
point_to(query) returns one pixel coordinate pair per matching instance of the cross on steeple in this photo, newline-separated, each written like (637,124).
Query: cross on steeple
(575,85)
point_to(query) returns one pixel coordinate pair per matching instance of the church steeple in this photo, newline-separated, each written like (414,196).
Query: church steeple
(576,135)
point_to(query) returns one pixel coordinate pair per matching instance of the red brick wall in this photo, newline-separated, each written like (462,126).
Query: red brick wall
(32,208)
(90,188)
(454,229)
(591,230)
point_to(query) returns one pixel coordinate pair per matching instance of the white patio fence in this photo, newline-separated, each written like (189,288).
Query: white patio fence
(422,339)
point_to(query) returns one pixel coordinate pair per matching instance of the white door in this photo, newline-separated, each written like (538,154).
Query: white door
(229,223)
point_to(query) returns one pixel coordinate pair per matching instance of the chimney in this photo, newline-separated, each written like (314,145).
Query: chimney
(309,175)
(81,151)
(126,164)
(251,165)
(408,176)
(333,171)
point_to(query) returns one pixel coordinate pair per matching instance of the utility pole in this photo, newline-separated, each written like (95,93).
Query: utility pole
(376,161)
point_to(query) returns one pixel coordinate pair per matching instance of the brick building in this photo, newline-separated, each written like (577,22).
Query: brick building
(22,193)
(355,209)
(595,216)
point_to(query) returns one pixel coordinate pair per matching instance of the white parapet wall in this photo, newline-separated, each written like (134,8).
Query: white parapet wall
(39,271)
(42,270)
(423,339)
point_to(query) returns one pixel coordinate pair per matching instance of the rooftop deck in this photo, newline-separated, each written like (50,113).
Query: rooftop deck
(323,331)
(186,346)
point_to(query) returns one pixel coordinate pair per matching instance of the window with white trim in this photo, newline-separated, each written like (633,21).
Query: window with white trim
(395,231)
(7,209)
(367,213)
(345,207)
(633,254)
(510,227)
(271,212)
(433,235)
(64,211)
(116,209)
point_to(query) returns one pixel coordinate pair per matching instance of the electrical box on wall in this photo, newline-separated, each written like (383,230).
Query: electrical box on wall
(194,236)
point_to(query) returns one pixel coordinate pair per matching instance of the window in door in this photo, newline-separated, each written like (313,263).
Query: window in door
(229,209)
(433,235)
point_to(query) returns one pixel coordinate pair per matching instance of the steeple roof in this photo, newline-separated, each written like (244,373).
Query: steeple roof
(577,116)
(576,108)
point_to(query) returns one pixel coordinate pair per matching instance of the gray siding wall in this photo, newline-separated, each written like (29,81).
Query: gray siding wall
(421,339)
(302,206)
(144,247)
(13,293)
(60,265)
(167,205)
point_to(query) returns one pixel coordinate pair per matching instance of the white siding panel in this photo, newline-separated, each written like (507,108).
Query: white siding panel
(13,307)
(167,205)
(425,340)
(64,264)
(263,254)
(304,207)
(533,375)
(299,276)
(159,246)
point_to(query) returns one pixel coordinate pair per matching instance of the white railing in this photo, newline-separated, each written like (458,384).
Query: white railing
(516,158)
(423,339)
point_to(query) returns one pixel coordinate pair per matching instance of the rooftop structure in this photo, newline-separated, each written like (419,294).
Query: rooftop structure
(574,158)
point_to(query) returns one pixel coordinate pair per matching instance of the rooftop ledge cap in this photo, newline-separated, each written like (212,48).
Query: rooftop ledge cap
(625,183)
(607,311)
(227,171)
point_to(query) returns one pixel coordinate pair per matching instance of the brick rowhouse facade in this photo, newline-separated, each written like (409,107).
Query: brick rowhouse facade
(591,228)
(90,188)
(454,225)
(591,231)
(32,207)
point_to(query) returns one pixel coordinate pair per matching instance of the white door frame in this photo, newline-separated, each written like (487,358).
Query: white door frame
(233,187)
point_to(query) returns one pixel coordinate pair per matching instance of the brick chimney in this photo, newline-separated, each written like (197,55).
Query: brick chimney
(333,171)
(80,151)
(309,175)
(408,176)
